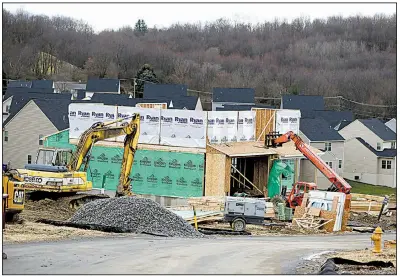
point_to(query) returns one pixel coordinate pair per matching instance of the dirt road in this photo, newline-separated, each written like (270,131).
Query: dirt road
(154,255)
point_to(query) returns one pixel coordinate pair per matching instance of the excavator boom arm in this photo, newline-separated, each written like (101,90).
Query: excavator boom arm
(101,131)
(338,182)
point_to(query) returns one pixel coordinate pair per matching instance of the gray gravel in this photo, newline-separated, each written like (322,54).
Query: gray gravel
(139,215)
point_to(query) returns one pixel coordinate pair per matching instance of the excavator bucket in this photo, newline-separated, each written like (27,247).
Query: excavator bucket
(270,139)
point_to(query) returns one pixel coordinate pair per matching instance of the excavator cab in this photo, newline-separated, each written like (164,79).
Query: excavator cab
(51,159)
(297,193)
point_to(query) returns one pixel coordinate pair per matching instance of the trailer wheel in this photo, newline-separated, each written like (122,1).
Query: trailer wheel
(239,225)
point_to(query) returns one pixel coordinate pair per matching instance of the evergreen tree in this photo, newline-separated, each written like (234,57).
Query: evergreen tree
(145,74)
(141,27)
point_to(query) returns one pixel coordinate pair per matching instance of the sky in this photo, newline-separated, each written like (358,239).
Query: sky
(113,16)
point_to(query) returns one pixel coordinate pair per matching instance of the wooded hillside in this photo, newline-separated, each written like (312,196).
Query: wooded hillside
(354,57)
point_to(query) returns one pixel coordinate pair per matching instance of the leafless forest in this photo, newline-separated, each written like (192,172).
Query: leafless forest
(353,57)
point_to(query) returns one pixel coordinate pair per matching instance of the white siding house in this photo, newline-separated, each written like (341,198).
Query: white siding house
(366,165)
(372,131)
(22,132)
(370,152)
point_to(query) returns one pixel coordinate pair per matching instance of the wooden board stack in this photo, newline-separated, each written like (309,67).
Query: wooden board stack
(207,203)
(366,203)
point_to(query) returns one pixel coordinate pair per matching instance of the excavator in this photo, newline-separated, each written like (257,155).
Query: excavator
(62,172)
(13,188)
(338,184)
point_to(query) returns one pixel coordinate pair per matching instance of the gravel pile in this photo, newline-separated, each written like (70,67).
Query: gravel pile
(138,215)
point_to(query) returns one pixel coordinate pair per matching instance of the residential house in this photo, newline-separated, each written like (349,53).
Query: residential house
(14,101)
(367,165)
(373,131)
(319,134)
(103,86)
(392,124)
(370,152)
(232,96)
(23,132)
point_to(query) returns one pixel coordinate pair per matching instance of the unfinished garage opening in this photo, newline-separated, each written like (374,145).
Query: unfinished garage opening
(248,175)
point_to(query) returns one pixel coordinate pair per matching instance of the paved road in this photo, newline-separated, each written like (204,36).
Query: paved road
(150,255)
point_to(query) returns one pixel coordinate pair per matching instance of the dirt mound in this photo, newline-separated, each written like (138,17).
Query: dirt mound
(47,208)
(366,220)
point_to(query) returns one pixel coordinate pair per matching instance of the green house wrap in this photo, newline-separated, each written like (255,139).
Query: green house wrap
(163,173)
(274,180)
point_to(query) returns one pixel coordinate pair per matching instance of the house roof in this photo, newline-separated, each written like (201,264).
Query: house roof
(19,100)
(102,85)
(379,128)
(386,153)
(42,84)
(184,102)
(317,129)
(303,102)
(332,117)
(30,90)
(242,107)
(164,90)
(236,95)
(342,124)
(109,98)
(123,100)
(19,84)
(56,111)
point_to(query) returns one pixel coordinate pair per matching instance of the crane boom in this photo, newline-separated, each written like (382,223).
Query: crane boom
(338,183)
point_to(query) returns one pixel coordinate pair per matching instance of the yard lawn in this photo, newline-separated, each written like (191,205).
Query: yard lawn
(372,190)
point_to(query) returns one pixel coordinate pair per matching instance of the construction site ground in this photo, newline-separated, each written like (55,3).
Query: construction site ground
(154,255)
(29,230)
(71,250)
(313,265)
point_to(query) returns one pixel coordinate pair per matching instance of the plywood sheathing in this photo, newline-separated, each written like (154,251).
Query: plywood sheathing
(215,175)
(265,121)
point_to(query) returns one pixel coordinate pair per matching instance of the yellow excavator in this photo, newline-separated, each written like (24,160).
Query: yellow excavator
(62,172)
(13,188)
